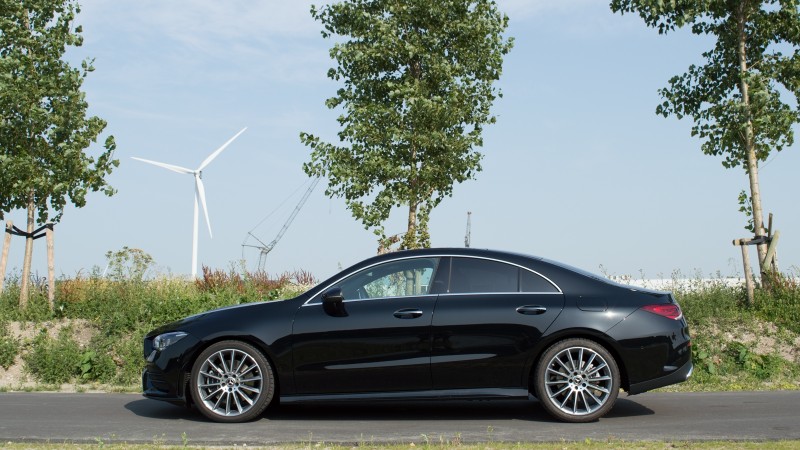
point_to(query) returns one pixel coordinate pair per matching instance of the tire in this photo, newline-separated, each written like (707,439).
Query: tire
(577,380)
(232,381)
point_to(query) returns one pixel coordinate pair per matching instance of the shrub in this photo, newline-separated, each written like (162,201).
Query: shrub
(8,348)
(54,360)
(94,366)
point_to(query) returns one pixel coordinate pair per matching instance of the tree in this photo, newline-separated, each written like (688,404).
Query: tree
(737,98)
(417,91)
(44,127)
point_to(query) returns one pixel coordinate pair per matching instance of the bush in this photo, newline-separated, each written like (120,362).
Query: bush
(781,303)
(8,349)
(94,366)
(54,360)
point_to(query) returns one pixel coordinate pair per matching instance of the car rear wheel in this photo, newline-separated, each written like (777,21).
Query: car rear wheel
(577,380)
(232,381)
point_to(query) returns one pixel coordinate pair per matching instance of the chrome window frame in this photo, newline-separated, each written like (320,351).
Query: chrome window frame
(311,301)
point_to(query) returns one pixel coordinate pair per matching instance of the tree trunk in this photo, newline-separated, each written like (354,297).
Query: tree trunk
(411,233)
(750,150)
(410,240)
(26,264)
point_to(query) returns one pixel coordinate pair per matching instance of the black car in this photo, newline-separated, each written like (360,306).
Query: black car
(428,324)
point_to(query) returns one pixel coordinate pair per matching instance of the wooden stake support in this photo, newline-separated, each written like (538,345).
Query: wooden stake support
(770,259)
(748,273)
(51,268)
(4,257)
(51,271)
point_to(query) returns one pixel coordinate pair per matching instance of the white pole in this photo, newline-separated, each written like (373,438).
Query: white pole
(194,239)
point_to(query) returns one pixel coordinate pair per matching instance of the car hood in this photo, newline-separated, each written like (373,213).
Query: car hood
(186,322)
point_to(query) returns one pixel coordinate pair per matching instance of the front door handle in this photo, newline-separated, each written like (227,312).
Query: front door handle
(408,313)
(532,310)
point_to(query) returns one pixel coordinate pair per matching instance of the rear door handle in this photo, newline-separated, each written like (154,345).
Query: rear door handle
(532,310)
(408,313)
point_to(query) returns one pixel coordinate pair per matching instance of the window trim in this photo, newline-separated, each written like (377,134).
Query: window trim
(311,301)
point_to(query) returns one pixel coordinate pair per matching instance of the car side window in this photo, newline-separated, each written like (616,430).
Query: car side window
(531,282)
(481,275)
(472,275)
(393,279)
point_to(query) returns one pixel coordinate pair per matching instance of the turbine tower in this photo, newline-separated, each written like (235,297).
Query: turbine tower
(199,192)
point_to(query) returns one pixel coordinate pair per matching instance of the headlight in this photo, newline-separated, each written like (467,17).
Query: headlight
(163,341)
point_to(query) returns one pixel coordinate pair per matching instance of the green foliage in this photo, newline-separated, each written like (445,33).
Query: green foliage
(53,360)
(761,366)
(44,127)
(128,264)
(9,348)
(417,91)
(746,208)
(36,309)
(781,304)
(704,361)
(125,309)
(93,366)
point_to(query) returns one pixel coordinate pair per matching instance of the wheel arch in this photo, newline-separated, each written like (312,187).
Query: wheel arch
(248,339)
(578,333)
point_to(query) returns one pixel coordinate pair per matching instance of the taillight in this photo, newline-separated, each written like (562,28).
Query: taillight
(668,310)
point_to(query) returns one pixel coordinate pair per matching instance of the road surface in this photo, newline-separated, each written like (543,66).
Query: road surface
(107,418)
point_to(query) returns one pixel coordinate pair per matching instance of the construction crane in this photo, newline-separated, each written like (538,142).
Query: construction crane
(264,249)
(468,236)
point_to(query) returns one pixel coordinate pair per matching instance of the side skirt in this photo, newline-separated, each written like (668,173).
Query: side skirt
(444,394)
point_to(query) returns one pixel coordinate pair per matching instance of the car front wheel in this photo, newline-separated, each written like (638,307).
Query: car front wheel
(232,381)
(577,380)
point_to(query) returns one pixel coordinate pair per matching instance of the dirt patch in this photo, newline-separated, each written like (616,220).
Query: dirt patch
(763,338)
(82,330)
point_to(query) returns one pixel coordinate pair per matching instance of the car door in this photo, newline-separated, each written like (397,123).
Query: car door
(487,322)
(375,337)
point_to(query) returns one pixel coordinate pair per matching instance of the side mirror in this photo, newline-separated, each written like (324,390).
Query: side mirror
(333,302)
(332,296)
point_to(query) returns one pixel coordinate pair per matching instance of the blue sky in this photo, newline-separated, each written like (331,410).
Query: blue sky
(578,167)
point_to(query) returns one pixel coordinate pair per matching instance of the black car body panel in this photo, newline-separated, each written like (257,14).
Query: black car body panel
(469,323)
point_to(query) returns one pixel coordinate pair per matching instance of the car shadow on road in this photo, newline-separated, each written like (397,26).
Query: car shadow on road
(154,409)
(526,410)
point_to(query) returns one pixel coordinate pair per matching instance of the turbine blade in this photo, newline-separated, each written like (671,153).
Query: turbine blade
(218,151)
(201,194)
(178,169)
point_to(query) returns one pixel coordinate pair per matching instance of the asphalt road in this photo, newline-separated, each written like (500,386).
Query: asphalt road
(56,417)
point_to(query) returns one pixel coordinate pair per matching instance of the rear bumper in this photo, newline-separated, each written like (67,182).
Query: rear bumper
(678,376)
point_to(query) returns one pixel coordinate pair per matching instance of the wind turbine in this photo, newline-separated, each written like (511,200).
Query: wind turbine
(199,191)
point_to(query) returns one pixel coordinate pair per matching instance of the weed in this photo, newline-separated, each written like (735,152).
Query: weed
(8,348)
(96,367)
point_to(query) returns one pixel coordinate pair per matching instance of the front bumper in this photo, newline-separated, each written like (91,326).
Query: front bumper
(166,375)
(156,387)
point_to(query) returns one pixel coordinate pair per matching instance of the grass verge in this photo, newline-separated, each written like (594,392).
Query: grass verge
(588,444)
